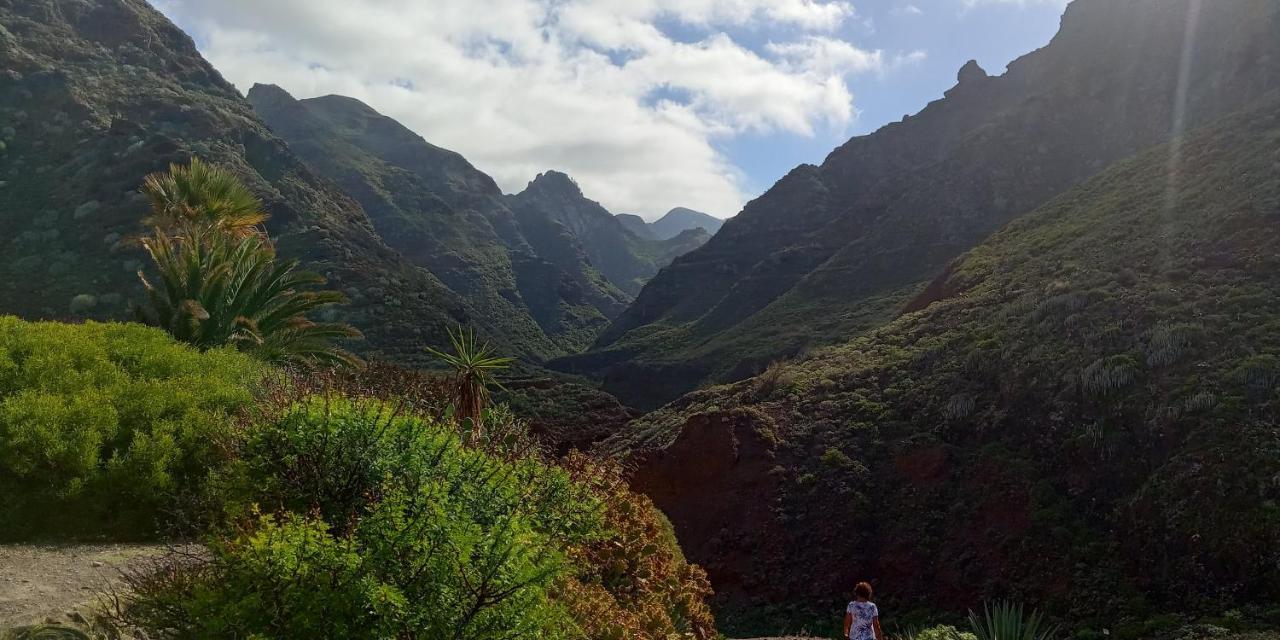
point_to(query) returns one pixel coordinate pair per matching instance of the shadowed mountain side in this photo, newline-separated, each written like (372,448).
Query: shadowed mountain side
(1075,409)
(451,219)
(834,250)
(96,95)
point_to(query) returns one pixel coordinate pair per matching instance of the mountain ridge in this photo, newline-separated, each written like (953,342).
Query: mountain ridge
(835,250)
(1074,409)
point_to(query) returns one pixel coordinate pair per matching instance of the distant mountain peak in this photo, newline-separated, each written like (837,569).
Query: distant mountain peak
(555,183)
(269,92)
(683,218)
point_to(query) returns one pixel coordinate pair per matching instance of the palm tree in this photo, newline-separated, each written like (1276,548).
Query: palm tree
(220,281)
(474,367)
(202,195)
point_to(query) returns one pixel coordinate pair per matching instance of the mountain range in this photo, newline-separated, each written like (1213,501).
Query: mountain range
(1024,343)
(675,222)
(832,251)
(418,238)
(1021,344)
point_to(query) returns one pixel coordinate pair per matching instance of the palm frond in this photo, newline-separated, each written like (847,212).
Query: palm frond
(219,280)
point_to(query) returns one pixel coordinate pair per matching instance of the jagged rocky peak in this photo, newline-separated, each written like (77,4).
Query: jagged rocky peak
(556,184)
(269,94)
(970,72)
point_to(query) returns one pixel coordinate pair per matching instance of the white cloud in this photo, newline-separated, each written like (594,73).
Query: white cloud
(969,4)
(591,87)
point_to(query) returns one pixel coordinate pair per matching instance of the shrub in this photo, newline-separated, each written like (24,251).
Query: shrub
(1006,620)
(634,582)
(939,632)
(384,523)
(1108,375)
(102,426)
(387,525)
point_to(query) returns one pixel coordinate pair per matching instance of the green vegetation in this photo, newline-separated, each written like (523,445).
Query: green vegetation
(220,282)
(474,366)
(202,196)
(939,632)
(1070,421)
(527,286)
(1006,620)
(73,169)
(384,525)
(106,427)
(835,251)
(359,517)
(332,504)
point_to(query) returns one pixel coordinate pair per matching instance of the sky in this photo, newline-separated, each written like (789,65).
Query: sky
(648,104)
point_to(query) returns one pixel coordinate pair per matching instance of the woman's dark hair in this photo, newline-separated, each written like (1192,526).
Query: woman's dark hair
(863,590)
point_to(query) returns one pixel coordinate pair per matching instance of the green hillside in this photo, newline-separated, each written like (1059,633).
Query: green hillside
(1082,413)
(448,217)
(835,250)
(95,96)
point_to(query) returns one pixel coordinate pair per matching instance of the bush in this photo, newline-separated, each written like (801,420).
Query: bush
(634,582)
(939,632)
(386,526)
(384,523)
(103,426)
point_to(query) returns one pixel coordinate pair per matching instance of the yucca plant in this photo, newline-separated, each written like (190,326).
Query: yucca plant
(474,368)
(202,195)
(1005,620)
(219,279)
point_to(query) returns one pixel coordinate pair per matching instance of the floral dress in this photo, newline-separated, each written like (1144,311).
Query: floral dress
(863,614)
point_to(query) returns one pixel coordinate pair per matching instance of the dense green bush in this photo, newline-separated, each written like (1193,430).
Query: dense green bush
(102,426)
(383,523)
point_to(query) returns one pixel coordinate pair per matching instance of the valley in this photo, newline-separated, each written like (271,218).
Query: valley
(1019,347)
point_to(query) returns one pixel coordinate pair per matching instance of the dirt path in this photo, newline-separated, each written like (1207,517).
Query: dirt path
(52,583)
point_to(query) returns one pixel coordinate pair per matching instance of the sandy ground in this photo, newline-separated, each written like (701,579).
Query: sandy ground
(56,583)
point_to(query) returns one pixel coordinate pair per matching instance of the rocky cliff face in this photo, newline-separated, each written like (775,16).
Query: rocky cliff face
(834,250)
(1081,414)
(529,284)
(96,95)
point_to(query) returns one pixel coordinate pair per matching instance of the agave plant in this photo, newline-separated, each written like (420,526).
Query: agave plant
(204,196)
(1006,620)
(474,367)
(219,279)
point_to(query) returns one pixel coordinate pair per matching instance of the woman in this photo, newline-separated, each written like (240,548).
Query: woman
(862,618)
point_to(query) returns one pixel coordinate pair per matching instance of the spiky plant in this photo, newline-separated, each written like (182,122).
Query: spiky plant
(1005,620)
(202,195)
(214,289)
(219,279)
(474,368)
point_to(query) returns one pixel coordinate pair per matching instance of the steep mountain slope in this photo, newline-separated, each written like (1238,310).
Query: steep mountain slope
(1082,413)
(636,225)
(94,95)
(680,219)
(445,215)
(626,260)
(832,251)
